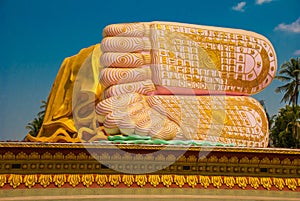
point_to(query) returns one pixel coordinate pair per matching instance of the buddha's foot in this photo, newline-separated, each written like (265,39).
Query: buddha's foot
(168,58)
(227,119)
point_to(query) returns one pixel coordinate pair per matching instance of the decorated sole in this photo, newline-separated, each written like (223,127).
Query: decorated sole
(226,119)
(177,58)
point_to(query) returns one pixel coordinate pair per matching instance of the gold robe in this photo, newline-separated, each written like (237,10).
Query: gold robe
(70,111)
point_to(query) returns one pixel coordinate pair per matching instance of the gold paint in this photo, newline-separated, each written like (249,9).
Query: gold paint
(67,146)
(167,180)
(278,183)
(127,157)
(266,182)
(87,179)
(154,180)
(30,180)
(101,180)
(58,156)
(251,170)
(15,180)
(286,161)
(192,180)
(70,156)
(114,180)
(265,160)
(254,182)
(254,160)
(296,162)
(141,180)
(34,156)
(291,183)
(244,160)
(229,181)
(45,180)
(117,156)
(217,181)
(104,157)
(8,156)
(191,159)
(223,159)
(172,158)
(159,157)
(74,179)
(21,156)
(82,156)
(128,180)
(233,159)
(241,182)
(46,156)
(59,180)
(204,181)
(179,180)
(213,159)
(2,180)
(58,124)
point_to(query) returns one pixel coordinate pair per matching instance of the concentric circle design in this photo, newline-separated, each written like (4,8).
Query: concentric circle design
(122,44)
(123,60)
(131,29)
(113,76)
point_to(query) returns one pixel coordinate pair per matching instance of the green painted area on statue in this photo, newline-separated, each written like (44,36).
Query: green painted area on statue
(128,137)
(137,139)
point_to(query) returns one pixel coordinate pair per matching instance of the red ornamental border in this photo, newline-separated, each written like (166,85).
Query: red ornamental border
(18,181)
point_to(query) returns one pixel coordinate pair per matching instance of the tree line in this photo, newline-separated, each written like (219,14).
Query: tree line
(285,126)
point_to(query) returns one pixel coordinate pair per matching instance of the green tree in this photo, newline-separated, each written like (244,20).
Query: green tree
(270,118)
(35,125)
(283,132)
(290,73)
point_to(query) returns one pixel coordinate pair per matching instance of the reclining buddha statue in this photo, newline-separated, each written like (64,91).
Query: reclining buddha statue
(163,80)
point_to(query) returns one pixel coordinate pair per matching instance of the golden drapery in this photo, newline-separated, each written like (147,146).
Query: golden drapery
(69,115)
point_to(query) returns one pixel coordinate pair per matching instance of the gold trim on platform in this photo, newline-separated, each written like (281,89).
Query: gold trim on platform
(104,146)
(35,158)
(8,181)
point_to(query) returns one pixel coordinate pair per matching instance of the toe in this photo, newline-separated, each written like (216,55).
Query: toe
(129,29)
(123,60)
(114,76)
(142,87)
(125,44)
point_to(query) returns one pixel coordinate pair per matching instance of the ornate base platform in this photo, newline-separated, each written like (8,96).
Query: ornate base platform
(47,171)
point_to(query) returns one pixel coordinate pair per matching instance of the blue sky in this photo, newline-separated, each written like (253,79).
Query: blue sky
(36,35)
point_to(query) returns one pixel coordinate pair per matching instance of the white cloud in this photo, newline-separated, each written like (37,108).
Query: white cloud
(240,6)
(260,2)
(297,53)
(293,27)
